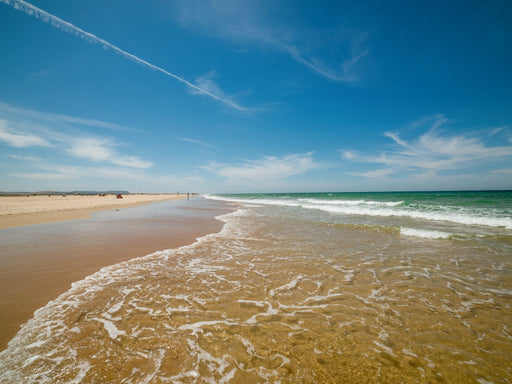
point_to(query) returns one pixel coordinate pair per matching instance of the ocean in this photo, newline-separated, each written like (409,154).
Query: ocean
(410,287)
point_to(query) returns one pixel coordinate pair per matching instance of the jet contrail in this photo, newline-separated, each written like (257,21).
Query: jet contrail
(23,6)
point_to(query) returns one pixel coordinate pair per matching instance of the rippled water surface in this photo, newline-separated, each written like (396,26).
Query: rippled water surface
(283,296)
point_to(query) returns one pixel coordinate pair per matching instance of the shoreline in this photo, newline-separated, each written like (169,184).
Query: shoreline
(40,262)
(18,211)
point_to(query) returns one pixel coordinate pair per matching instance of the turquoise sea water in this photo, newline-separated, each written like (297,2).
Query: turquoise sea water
(422,214)
(296,288)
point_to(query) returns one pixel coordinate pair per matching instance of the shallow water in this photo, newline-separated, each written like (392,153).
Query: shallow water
(282,295)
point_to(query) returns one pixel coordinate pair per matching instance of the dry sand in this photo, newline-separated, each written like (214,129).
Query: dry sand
(16,211)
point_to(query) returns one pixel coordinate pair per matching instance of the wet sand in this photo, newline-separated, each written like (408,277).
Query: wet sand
(39,262)
(17,211)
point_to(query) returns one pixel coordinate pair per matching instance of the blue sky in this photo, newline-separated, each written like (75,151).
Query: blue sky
(255,96)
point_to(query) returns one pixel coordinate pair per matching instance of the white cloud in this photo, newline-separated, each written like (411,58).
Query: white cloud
(93,149)
(260,25)
(344,72)
(348,154)
(195,141)
(90,38)
(46,176)
(267,168)
(504,172)
(373,174)
(394,136)
(62,136)
(59,172)
(98,149)
(20,139)
(435,150)
(51,172)
(499,129)
(205,85)
(238,21)
(25,158)
(173,179)
(114,173)
(56,117)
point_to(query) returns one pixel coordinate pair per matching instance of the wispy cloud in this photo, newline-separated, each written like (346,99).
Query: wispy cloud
(373,174)
(266,168)
(23,128)
(206,86)
(43,171)
(433,151)
(349,154)
(115,173)
(25,158)
(195,141)
(178,180)
(65,26)
(504,172)
(101,149)
(343,72)
(239,21)
(45,176)
(10,110)
(20,139)
(57,172)
(500,129)
(253,23)
(40,75)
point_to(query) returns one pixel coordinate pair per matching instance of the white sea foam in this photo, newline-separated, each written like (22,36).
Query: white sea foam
(115,308)
(110,327)
(198,327)
(250,349)
(270,312)
(36,344)
(258,304)
(483,381)
(84,367)
(158,363)
(408,352)
(352,202)
(424,233)
(286,287)
(442,214)
(384,348)
(465,216)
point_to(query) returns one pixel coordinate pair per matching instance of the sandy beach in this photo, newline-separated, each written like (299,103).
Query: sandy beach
(16,211)
(285,292)
(39,262)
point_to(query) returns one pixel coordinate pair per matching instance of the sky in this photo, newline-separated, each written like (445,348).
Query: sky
(230,96)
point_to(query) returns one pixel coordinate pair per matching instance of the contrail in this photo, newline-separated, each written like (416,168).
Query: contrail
(23,6)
